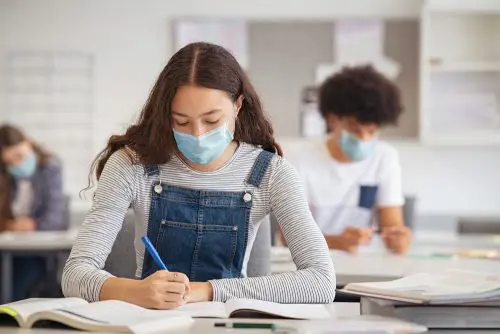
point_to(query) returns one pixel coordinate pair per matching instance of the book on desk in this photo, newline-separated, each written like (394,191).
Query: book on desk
(117,316)
(453,299)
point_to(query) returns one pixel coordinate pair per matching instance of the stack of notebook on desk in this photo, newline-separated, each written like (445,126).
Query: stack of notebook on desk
(454,299)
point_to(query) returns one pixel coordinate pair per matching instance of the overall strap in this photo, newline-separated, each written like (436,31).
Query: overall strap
(151,170)
(259,168)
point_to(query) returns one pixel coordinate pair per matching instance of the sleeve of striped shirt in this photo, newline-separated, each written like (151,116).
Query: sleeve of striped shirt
(314,280)
(83,276)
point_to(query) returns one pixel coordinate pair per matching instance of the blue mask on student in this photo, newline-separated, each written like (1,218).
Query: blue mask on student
(26,169)
(355,148)
(205,148)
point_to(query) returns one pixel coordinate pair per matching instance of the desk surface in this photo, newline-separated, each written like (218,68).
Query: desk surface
(35,241)
(374,263)
(456,241)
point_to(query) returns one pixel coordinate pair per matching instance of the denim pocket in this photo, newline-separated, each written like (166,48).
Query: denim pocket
(175,245)
(216,252)
(202,252)
(367,196)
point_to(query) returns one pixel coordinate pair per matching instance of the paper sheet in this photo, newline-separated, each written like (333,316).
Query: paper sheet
(359,42)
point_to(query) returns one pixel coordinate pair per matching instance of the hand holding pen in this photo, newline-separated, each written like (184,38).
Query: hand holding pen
(163,289)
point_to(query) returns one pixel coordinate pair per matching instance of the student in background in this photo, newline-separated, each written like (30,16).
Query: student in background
(31,198)
(200,170)
(353,179)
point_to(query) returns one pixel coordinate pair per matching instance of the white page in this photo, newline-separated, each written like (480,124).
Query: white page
(204,310)
(295,311)
(118,313)
(27,307)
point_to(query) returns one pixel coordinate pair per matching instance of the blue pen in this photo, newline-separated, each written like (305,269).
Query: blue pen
(154,254)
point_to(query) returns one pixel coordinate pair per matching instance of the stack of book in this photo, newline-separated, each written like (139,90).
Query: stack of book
(452,300)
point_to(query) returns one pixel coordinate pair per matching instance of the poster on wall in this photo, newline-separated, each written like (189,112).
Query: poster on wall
(358,42)
(231,34)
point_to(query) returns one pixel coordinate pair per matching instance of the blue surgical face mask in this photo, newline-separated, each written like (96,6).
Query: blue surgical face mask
(26,169)
(205,148)
(355,148)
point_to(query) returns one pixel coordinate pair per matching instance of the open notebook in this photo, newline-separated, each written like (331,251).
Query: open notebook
(451,287)
(249,308)
(117,316)
(109,316)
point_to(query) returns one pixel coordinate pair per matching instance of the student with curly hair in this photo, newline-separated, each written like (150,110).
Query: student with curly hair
(354,179)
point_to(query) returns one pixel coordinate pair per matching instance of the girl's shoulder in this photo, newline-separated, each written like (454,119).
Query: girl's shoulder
(124,157)
(124,162)
(252,152)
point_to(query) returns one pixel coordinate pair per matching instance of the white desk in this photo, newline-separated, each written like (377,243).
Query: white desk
(374,263)
(455,241)
(16,244)
(37,241)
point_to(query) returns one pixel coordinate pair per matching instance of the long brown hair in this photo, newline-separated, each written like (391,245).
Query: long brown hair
(202,64)
(11,136)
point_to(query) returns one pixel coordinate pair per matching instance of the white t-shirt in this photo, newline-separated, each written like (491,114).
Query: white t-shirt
(346,194)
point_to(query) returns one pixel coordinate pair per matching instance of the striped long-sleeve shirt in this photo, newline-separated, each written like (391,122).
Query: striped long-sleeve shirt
(123,183)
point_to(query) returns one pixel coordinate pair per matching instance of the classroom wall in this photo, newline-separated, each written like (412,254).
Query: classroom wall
(274,70)
(280,81)
(131,41)
(452,181)
(129,49)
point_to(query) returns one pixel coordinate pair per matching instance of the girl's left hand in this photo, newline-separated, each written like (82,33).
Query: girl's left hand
(200,292)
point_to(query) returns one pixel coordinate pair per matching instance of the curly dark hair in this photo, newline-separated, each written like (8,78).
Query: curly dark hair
(363,93)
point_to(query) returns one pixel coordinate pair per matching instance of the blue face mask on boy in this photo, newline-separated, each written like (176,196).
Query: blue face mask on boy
(355,148)
(205,148)
(26,169)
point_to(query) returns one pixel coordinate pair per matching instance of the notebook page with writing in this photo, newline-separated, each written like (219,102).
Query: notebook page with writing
(238,307)
(205,310)
(114,315)
(23,309)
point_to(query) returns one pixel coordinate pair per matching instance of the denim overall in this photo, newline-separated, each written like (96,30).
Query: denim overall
(202,234)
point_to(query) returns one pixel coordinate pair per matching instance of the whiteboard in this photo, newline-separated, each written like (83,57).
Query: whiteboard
(49,95)
(230,34)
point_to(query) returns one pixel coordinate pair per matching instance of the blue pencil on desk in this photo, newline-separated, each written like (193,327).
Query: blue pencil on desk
(154,254)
